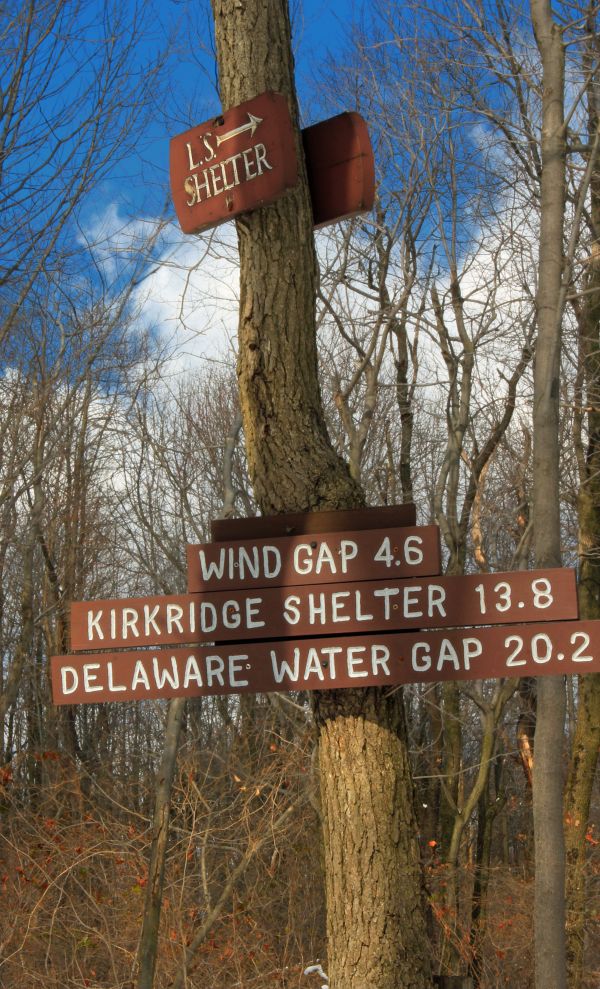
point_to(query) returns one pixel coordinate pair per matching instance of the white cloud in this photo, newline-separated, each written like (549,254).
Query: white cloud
(190,297)
(186,291)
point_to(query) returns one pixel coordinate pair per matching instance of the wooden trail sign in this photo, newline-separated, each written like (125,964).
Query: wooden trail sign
(319,558)
(246,158)
(340,168)
(305,523)
(325,609)
(319,664)
(236,162)
(321,601)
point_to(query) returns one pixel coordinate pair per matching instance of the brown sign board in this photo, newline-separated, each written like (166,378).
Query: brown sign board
(340,168)
(236,162)
(350,608)
(321,664)
(316,559)
(301,523)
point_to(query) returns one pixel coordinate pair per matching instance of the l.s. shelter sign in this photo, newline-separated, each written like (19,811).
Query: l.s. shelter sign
(236,162)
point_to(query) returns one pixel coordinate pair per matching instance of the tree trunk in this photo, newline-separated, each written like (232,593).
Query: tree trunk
(375,916)
(586,740)
(148,946)
(549,910)
(376,924)
(292,464)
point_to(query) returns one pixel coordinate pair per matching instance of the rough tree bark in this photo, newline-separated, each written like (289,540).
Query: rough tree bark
(549,911)
(376,927)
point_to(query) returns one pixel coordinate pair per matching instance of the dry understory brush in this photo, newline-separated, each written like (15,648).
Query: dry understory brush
(73,878)
(73,872)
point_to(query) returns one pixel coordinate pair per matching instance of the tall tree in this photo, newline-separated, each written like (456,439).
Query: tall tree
(549,915)
(376,926)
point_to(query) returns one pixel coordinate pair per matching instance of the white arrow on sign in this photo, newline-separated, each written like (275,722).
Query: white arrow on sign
(252,124)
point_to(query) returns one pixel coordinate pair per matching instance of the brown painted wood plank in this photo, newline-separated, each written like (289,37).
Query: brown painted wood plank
(243,159)
(326,609)
(301,523)
(542,649)
(283,561)
(340,167)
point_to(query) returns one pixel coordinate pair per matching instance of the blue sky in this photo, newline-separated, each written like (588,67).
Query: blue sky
(138,188)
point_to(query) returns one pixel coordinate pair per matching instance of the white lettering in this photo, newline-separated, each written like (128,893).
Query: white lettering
(348,551)
(354,660)
(65,672)
(150,619)
(471,649)
(247,164)
(89,677)
(379,657)
(140,676)
(325,558)
(208,146)
(174,616)
(212,568)
(93,626)
(192,672)
(253,609)
(271,569)
(386,593)
(315,610)
(313,664)
(234,160)
(130,620)
(249,563)
(195,187)
(226,185)
(193,164)
(447,654)
(236,665)
(422,662)
(214,670)
(358,607)
(112,686)
(231,614)
(337,605)
(214,169)
(283,671)
(208,616)
(161,677)
(436,597)
(331,651)
(291,611)
(261,158)
(411,596)
(301,566)
(413,552)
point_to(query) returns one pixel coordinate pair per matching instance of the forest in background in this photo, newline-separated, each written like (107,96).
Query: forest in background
(113,457)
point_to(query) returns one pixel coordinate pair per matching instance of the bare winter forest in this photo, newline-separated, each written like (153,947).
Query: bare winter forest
(119,445)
